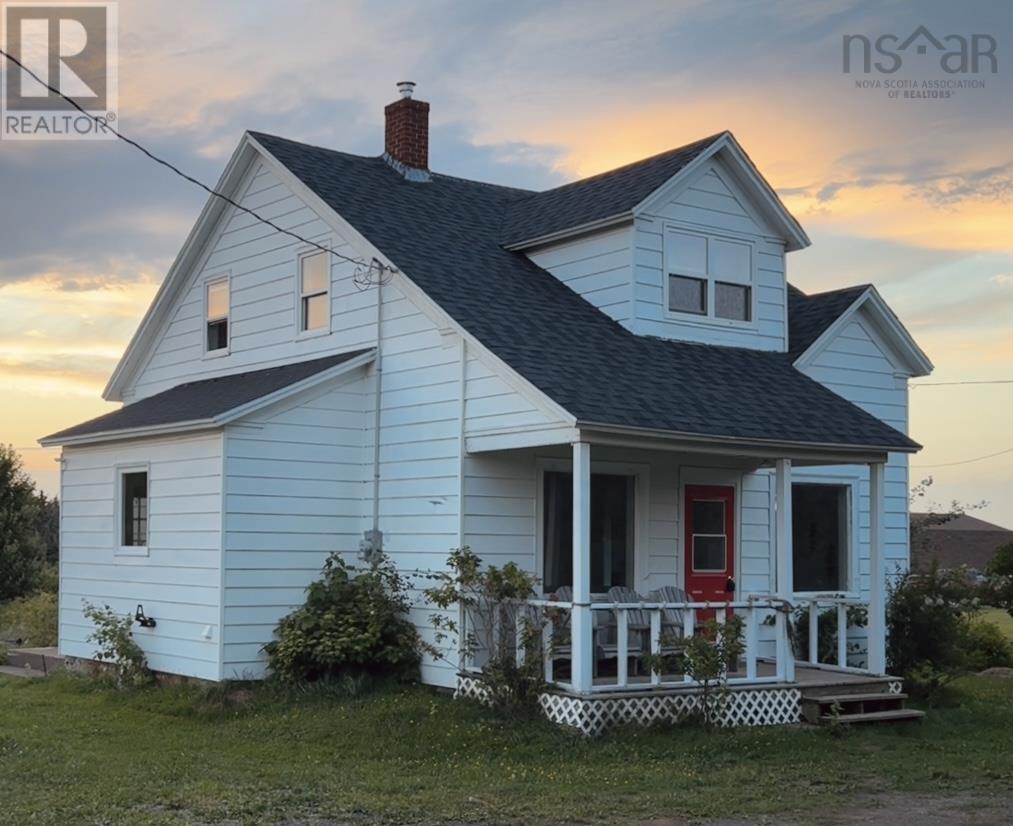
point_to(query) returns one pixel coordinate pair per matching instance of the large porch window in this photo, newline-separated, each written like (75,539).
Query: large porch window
(612,518)
(820,536)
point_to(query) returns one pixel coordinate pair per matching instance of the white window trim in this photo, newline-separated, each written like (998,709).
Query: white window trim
(306,252)
(641,511)
(205,284)
(709,319)
(119,471)
(853,485)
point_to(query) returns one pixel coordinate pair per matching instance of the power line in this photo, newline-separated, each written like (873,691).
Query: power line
(104,124)
(967,461)
(952,383)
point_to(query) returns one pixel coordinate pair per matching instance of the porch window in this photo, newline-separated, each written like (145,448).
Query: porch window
(134,487)
(820,537)
(612,519)
(217,313)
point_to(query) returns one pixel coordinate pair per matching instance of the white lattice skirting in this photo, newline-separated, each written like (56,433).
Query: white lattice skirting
(592,715)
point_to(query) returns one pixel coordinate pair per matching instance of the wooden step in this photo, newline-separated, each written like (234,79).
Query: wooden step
(896,715)
(16,671)
(878,696)
(43,660)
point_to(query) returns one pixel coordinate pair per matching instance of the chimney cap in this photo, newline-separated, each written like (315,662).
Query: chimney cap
(406,87)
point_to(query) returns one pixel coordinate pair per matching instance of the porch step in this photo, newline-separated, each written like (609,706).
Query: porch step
(871,704)
(41,660)
(15,671)
(896,715)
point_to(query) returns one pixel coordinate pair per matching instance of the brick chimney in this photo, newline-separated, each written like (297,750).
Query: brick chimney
(406,137)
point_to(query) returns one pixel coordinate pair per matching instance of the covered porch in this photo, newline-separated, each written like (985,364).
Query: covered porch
(621,647)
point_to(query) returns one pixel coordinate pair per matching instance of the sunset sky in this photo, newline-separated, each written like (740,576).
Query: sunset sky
(913,195)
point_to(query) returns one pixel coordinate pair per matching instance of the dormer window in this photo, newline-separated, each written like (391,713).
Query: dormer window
(216,312)
(709,276)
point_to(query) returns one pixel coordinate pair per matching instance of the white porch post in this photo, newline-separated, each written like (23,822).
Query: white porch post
(785,576)
(580,624)
(877,573)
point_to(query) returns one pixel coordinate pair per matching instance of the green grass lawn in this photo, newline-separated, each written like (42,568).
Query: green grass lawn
(72,752)
(1000,618)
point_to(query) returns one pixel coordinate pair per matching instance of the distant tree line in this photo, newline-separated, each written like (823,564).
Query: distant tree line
(29,531)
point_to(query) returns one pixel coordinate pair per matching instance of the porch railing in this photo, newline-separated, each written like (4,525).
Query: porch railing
(766,657)
(821,608)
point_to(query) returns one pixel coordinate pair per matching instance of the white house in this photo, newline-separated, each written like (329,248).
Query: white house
(610,382)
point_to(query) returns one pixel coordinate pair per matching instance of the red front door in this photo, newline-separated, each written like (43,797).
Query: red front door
(710,544)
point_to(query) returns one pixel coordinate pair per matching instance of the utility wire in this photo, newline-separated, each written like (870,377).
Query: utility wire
(952,383)
(104,124)
(967,461)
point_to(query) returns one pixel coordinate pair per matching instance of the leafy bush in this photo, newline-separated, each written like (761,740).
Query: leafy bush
(353,622)
(114,637)
(32,620)
(998,588)
(495,609)
(988,646)
(928,619)
(708,655)
(826,644)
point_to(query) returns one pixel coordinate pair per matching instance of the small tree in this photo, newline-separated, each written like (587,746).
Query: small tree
(706,660)
(493,606)
(114,636)
(22,554)
(998,590)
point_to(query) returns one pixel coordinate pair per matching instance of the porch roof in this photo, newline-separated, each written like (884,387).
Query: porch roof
(447,237)
(208,402)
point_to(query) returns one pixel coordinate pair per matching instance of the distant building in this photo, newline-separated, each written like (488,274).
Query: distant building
(962,540)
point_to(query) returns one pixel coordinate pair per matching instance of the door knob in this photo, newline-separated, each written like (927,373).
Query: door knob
(730,586)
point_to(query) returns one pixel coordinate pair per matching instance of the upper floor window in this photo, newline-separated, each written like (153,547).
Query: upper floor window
(216,304)
(709,276)
(314,298)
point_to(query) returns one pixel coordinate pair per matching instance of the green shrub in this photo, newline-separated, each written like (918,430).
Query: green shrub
(988,646)
(928,619)
(32,620)
(353,622)
(114,637)
(998,588)
(22,553)
(493,602)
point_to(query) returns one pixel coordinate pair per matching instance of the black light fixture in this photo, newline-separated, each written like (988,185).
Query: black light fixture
(142,620)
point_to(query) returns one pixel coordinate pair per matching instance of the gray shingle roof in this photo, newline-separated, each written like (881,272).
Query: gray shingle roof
(810,315)
(596,198)
(202,400)
(446,235)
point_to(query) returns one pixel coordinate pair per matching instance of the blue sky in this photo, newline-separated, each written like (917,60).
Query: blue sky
(915,196)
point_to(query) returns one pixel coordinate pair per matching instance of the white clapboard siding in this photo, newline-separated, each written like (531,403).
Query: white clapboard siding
(710,203)
(856,365)
(295,488)
(598,267)
(178,582)
(493,404)
(262,267)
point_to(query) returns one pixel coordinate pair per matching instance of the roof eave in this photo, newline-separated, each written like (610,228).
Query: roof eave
(570,232)
(169,429)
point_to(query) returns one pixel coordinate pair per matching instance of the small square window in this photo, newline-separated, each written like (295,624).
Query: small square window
(314,298)
(134,486)
(687,295)
(732,301)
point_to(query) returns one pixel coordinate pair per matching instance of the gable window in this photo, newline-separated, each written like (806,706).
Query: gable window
(216,303)
(612,540)
(820,537)
(314,298)
(134,509)
(709,276)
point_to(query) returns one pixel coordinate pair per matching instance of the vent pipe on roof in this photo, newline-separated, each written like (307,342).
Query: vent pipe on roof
(406,134)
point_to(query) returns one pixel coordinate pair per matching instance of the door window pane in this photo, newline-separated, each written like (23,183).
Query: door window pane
(612,540)
(709,553)
(820,537)
(731,301)
(687,295)
(709,516)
